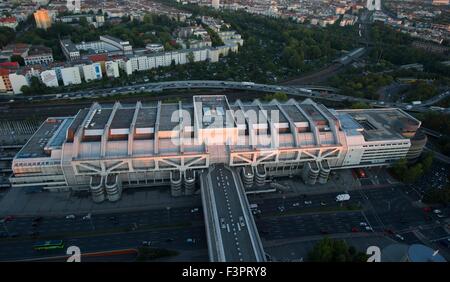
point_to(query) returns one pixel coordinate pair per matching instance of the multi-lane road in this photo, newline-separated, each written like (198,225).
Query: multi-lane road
(387,208)
(210,84)
(232,227)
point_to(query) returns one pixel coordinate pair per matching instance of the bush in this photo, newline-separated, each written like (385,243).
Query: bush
(147,253)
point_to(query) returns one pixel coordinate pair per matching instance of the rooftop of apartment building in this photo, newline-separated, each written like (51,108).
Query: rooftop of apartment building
(39,50)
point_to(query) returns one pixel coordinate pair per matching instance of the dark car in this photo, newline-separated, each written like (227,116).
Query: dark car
(169,240)
(445,242)
(427,209)
(38,219)
(389,231)
(33,234)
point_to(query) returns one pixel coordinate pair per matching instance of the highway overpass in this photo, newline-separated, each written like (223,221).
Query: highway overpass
(313,92)
(230,227)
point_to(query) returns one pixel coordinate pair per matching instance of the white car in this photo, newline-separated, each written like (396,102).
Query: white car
(437,211)
(241,221)
(362,224)
(70,216)
(222,223)
(146,243)
(368,228)
(256,211)
(296,204)
(308,202)
(88,216)
(194,210)
(399,237)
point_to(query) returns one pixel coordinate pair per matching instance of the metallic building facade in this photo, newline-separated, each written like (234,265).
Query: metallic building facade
(108,148)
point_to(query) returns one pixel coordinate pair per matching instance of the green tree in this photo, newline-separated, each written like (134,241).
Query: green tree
(280,96)
(438,196)
(413,173)
(360,105)
(400,168)
(7,35)
(427,161)
(19,59)
(190,57)
(329,250)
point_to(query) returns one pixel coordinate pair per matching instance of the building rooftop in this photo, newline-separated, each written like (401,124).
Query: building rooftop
(369,124)
(47,134)
(168,117)
(146,118)
(100,118)
(69,45)
(294,113)
(378,124)
(122,118)
(214,110)
(312,112)
(39,50)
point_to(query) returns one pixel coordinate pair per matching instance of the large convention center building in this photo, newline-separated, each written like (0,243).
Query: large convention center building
(108,148)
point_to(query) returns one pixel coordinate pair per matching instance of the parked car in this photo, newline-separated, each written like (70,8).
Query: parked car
(389,231)
(399,237)
(70,216)
(222,223)
(146,243)
(426,209)
(241,221)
